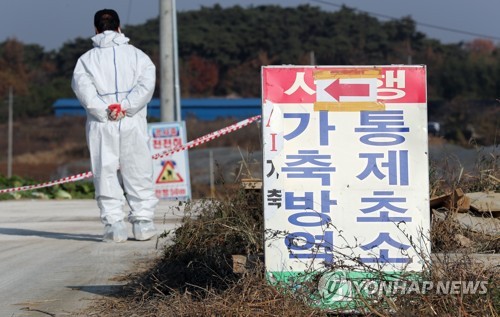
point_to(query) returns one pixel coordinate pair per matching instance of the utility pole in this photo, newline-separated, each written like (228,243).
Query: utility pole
(10,133)
(166,62)
(312,58)
(177,93)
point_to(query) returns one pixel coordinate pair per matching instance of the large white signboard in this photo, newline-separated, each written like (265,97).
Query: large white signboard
(345,172)
(171,173)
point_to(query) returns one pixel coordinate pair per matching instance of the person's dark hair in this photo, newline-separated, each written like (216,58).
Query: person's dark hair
(106,19)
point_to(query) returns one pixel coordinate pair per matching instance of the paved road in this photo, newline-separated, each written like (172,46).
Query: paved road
(52,259)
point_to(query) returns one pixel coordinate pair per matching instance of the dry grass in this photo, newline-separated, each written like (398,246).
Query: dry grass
(248,296)
(447,235)
(195,277)
(59,155)
(448,174)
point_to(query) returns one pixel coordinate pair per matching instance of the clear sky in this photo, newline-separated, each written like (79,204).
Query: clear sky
(51,23)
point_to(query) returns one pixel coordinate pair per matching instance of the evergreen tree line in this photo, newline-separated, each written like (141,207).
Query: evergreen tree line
(221,51)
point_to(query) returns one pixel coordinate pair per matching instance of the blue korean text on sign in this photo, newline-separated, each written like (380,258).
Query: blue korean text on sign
(345,174)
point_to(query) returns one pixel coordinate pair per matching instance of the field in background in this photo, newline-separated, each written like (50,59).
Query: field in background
(50,148)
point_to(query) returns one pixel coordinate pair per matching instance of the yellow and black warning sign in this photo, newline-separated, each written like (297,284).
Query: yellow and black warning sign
(168,174)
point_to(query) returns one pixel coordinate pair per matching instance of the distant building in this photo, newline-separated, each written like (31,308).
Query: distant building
(201,108)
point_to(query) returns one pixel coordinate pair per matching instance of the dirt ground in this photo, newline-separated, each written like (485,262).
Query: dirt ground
(53,259)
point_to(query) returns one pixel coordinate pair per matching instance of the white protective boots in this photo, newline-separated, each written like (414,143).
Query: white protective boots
(117,232)
(143,230)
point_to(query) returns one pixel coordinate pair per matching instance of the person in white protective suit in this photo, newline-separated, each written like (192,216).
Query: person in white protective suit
(114,81)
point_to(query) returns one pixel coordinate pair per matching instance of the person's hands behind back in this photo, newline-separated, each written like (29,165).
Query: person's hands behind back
(115,112)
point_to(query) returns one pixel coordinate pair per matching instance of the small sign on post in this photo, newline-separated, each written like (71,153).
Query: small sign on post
(346,190)
(170,173)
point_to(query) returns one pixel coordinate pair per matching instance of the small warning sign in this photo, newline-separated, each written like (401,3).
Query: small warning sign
(168,174)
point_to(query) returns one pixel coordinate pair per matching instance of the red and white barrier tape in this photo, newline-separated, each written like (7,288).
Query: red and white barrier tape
(208,137)
(68,179)
(189,145)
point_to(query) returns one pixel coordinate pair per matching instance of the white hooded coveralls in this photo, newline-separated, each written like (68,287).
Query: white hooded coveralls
(117,72)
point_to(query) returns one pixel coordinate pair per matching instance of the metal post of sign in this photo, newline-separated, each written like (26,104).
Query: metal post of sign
(211,171)
(10,134)
(166,69)
(177,94)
